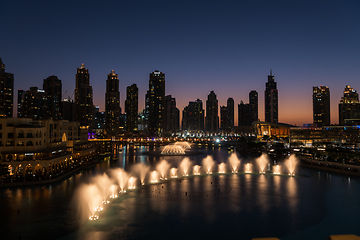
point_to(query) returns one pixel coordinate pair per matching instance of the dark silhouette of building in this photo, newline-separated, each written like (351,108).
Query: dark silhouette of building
(172,115)
(53,88)
(193,116)
(100,119)
(230,113)
(248,112)
(212,116)
(321,106)
(349,106)
(223,118)
(244,114)
(21,98)
(68,110)
(6,92)
(84,108)
(131,108)
(156,95)
(271,100)
(112,104)
(254,103)
(34,104)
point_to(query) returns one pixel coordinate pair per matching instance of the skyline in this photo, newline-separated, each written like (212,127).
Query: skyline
(228,48)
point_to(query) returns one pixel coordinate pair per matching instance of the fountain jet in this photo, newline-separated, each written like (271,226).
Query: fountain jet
(196,170)
(234,162)
(208,163)
(222,168)
(163,169)
(141,170)
(276,169)
(262,162)
(154,178)
(248,167)
(291,163)
(185,166)
(132,183)
(173,172)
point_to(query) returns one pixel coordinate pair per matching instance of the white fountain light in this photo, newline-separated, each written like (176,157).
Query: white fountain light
(105,202)
(276,169)
(248,168)
(173,150)
(132,183)
(94,217)
(98,209)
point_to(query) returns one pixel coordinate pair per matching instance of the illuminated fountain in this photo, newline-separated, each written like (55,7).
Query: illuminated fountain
(262,162)
(185,166)
(103,183)
(163,169)
(291,163)
(89,200)
(121,177)
(154,177)
(113,191)
(234,162)
(248,168)
(141,169)
(276,169)
(196,170)
(173,150)
(208,163)
(222,167)
(132,183)
(184,145)
(173,172)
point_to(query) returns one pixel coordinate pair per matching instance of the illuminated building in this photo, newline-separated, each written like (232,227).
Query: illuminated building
(112,104)
(193,116)
(271,130)
(33,104)
(131,108)
(6,92)
(172,115)
(253,101)
(84,109)
(321,106)
(156,96)
(223,118)
(21,97)
(212,116)
(271,100)
(53,88)
(248,112)
(349,106)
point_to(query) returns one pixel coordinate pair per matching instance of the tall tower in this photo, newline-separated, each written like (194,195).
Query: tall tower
(156,95)
(84,108)
(53,88)
(223,118)
(349,106)
(212,116)
(112,104)
(271,100)
(172,114)
(253,101)
(6,92)
(34,104)
(131,108)
(230,113)
(321,106)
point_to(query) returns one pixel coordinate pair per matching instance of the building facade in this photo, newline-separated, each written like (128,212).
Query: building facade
(33,103)
(321,106)
(193,116)
(172,115)
(6,92)
(84,108)
(230,113)
(131,108)
(156,98)
(53,88)
(212,115)
(254,103)
(112,104)
(349,106)
(271,100)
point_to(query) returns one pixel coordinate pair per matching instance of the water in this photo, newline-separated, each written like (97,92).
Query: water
(311,205)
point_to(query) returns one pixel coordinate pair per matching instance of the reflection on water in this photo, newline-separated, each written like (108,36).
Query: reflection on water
(197,206)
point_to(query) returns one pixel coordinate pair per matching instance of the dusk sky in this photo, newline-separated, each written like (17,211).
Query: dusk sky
(225,46)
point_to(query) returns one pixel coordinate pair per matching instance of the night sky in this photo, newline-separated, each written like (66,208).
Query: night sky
(225,46)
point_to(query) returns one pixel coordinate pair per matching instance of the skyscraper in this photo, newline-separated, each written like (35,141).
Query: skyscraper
(20,104)
(193,116)
(244,114)
(112,104)
(156,95)
(6,92)
(84,108)
(53,88)
(172,115)
(349,106)
(34,104)
(212,116)
(131,108)
(223,118)
(230,113)
(321,106)
(253,101)
(271,100)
